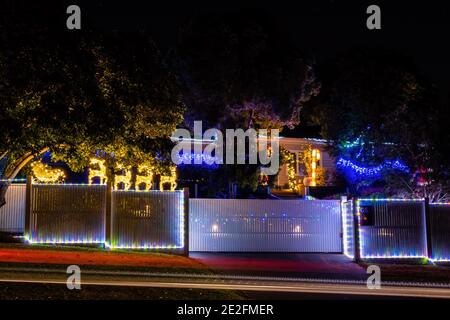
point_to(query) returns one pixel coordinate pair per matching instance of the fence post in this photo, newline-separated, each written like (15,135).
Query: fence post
(28,207)
(356,241)
(186,221)
(428,231)
(108,213)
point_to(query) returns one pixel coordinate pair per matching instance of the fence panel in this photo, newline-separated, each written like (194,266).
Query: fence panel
(348,229)
(152,220)
(440,231)
(397,229)
(68,214)
(12,214)
(265,225)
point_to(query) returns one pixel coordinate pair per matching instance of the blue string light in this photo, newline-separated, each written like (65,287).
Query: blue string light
(373,171)
(197,158)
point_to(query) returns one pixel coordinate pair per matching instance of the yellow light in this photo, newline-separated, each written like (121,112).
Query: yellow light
(43,173)
(100,172)
(169,179)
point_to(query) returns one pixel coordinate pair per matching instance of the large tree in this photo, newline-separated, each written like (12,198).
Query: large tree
(238,71)
(375,106)
(76,94)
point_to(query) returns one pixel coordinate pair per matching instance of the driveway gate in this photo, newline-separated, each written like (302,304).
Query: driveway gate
(235,225)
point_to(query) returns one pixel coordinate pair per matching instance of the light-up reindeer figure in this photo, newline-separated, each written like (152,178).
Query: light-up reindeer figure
(169,179)
(97,169)
(124,178)
(144,176)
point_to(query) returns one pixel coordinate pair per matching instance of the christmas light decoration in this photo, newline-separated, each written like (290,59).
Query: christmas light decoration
(315,158)
(43,173)
(13,180)
(347,228)
(123,179)
(97,169)
(169,179)
(374,171)
(195,158)
(289,159)
(144,176)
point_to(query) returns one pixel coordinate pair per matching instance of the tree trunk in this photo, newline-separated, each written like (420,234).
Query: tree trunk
(3,188)
(12,170)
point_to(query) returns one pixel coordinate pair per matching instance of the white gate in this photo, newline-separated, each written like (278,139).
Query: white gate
(235,225)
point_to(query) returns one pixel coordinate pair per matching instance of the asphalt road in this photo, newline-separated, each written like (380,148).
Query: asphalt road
(257,285)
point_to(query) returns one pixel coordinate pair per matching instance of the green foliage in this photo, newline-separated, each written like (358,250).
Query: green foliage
(379,104)
(77,95)
(237,74)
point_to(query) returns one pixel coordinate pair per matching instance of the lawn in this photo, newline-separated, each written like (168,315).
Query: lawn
(52,255)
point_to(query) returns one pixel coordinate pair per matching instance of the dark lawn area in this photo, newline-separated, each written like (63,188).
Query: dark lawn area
(34,291)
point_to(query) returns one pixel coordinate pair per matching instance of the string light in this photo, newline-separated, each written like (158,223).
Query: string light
(289,158)
(373,171)
(195,158)
(315,158)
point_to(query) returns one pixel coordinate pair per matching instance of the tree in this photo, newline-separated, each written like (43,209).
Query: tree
(236,71)
(78,95)
(375,106)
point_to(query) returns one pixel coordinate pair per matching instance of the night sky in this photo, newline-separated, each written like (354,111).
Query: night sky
(321,28)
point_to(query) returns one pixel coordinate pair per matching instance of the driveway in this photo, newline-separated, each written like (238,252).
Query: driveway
(299,265)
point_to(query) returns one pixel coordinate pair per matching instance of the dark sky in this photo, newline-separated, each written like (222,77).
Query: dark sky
(321,28)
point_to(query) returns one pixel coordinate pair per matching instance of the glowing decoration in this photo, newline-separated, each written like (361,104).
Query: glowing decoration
(197,158)
(297,229)
(97,169)
(215,228)
(315,158)
(289,159)
(144,176)
(63,241)
(123,179)
(371,172)
(347,228)
(13,180)
(169,180)
(43,173)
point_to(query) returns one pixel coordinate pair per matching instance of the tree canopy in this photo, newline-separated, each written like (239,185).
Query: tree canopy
(76,95)
(375,106)
(238,72)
